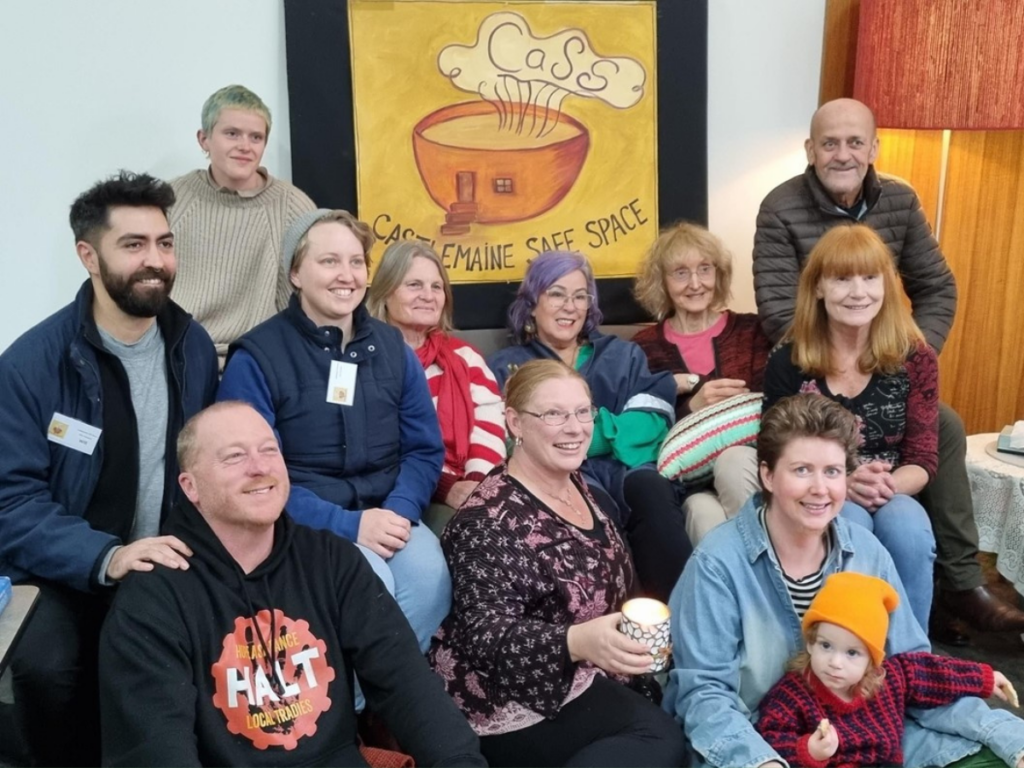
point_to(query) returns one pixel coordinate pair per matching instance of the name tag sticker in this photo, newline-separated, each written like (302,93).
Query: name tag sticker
(341,384)
(73,434)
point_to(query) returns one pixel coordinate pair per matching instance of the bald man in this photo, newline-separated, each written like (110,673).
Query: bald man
(248,656)
(841,186)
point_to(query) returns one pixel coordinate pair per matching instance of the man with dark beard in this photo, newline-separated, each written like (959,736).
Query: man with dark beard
(92,402)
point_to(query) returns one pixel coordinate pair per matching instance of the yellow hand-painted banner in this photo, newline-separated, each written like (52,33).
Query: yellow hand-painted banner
(498,130)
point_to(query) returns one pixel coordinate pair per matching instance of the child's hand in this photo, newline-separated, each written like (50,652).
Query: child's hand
(1003,689)
(825,741)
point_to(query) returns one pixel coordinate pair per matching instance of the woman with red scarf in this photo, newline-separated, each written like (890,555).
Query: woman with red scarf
(411,291)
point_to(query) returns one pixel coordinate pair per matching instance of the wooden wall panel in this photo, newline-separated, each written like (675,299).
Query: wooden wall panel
(982,364)
(915,156)
(839,49)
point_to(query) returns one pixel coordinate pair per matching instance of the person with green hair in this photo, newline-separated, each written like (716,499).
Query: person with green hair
(229,221)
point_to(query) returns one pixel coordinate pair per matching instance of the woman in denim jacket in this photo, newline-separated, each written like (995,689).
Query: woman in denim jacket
(737,609)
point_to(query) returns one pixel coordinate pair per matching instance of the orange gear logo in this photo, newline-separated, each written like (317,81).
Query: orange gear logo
(271,680)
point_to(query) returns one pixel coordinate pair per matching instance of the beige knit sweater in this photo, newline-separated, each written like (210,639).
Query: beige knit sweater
(229,253)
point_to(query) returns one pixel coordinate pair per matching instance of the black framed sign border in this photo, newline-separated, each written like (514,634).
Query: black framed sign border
(322,122)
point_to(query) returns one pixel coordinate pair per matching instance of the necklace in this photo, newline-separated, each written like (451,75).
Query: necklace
(567,501)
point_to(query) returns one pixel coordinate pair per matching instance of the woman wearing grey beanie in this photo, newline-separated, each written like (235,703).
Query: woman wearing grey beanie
(350,404)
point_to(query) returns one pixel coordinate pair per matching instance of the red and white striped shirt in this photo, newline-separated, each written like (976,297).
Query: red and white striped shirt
(487,438)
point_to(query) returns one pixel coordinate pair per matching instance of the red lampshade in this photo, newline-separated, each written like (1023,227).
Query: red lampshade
(937,64)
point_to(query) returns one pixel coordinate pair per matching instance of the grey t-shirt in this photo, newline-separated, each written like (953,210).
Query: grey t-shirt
(146,366)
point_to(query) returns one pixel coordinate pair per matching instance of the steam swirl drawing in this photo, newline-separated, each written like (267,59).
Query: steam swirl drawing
(514,153)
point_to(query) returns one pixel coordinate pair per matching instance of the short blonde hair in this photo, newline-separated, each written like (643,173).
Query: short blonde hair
(526,378)
(843,251)
(868,686)
(394,266)
(359,228)
(232,97)
(188,443)
(673,242)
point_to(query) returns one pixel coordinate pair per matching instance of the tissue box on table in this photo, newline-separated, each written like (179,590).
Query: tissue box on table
(1011,439)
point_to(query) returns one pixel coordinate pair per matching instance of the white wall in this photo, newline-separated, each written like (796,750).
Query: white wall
(764,65)
(90,87)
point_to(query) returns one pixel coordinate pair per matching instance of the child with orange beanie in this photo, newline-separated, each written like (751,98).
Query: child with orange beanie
(842,703)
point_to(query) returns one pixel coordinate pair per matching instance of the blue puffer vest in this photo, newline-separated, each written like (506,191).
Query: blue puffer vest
(349,456)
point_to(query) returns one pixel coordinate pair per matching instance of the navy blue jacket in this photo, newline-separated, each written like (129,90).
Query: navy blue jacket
(384,450)
(619,381)
(45,488)
(616,373)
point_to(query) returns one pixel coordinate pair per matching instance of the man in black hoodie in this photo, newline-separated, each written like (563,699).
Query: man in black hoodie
(247,657)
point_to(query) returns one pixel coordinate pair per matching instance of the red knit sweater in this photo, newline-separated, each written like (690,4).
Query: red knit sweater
(741,352)
(870,731)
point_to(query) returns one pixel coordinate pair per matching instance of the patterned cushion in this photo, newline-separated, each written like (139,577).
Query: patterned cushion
(689,452)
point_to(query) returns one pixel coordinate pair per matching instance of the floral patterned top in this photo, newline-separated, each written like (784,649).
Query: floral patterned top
(521,576)
(898,414)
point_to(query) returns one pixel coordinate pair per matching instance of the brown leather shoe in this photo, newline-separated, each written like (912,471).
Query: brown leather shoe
(982,610)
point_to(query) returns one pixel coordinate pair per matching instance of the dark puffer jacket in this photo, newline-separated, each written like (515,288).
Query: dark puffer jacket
(798,212)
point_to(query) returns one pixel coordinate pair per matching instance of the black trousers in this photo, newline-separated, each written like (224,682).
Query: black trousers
(608,725)
(656,531)
(54,674)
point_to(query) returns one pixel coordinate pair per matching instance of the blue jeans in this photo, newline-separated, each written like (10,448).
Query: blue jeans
(905,531)
(417,577)
(734,627)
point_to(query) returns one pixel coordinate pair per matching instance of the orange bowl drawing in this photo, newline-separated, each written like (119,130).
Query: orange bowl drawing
(491,173)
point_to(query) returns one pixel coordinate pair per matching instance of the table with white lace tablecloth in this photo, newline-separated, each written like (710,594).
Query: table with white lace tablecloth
(997,487)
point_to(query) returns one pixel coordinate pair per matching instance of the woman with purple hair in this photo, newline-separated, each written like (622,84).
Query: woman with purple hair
(555,315)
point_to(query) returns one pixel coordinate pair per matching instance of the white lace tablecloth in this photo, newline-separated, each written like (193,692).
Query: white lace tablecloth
(997,488)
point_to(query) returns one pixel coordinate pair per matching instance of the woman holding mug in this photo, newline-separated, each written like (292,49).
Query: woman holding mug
(531,651)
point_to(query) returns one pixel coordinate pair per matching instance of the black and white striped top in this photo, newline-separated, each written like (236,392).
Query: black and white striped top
(801,591)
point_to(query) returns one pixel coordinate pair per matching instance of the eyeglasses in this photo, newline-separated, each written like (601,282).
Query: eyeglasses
(558,299)
(683,275)
(557,418)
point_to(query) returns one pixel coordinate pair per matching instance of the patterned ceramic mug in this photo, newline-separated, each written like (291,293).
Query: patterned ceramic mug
(647,620)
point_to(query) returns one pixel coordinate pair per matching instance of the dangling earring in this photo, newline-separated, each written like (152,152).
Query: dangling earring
(529,328)
(519,440)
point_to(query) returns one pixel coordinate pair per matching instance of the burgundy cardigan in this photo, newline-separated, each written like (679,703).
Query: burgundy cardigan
(741,352)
